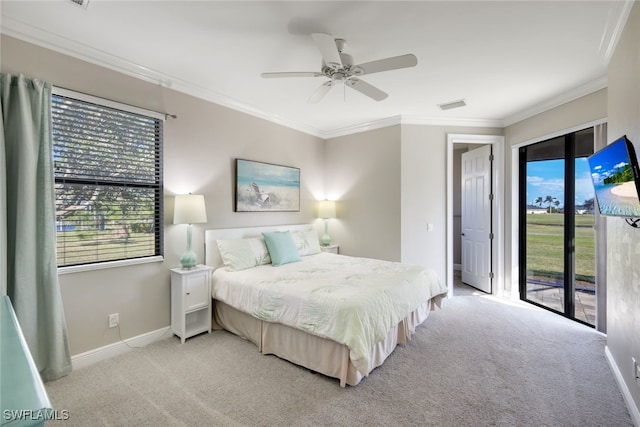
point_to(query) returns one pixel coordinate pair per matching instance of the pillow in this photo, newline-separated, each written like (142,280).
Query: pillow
(281,247)
(240,254)
(306,242)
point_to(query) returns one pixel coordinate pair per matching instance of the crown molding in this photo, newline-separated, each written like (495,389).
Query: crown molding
(362,127)
(36,36)
(568,96)
(411,120)
(31,34)
(611,35)
(450,121)
(613,30)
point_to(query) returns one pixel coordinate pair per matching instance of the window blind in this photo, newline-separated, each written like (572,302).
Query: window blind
(108,182)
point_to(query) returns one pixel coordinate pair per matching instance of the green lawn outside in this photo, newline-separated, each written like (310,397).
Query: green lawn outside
(545,246)
(101,246)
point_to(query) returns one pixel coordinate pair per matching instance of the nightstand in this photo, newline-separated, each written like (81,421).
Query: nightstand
(190,301)
(332,249)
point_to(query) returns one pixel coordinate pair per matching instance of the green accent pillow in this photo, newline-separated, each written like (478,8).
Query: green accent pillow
(281,246)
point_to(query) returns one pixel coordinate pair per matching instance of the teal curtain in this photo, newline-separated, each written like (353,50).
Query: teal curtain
(3,210)
(32,277)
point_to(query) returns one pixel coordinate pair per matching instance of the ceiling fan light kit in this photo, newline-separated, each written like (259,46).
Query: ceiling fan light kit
(338,66)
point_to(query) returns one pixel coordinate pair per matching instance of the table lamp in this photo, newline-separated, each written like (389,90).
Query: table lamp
(189,209)
(326,210)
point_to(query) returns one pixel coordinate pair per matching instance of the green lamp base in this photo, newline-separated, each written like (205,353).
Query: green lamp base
(325,240)
(188,259)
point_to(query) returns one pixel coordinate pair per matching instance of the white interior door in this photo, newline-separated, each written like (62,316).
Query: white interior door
(476,218)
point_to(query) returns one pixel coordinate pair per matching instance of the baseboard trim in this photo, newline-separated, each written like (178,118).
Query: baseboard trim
(90,357)
(624,389)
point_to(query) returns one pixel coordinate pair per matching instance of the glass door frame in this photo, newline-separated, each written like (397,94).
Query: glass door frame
(569,227)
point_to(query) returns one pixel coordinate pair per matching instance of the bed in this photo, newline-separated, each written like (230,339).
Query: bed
(337,315)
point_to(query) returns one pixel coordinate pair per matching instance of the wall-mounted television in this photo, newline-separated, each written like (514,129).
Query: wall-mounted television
(616,179)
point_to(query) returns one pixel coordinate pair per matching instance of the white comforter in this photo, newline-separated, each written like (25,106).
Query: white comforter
(354,301)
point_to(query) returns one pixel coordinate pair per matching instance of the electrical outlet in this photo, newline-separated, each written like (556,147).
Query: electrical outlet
(114,320)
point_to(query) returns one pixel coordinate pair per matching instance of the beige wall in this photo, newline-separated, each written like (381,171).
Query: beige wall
(424,193)
(363,174)
(391,183)
(199,149)
(623,242)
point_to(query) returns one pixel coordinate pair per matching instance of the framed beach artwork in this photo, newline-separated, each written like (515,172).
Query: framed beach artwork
(265,187)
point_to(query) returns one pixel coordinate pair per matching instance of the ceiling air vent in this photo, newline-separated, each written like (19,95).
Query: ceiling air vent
(453,104)
(82,3)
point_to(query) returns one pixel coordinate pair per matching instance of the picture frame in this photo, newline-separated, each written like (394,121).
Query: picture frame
(266,187)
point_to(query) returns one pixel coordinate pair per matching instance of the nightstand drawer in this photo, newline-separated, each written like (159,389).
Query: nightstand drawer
(196,291)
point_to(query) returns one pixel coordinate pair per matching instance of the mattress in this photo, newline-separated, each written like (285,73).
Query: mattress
(352,301)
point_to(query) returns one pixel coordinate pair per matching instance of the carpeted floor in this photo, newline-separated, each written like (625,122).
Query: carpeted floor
(479,361)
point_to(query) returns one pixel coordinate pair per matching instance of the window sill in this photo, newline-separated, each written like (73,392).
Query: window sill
(108,264)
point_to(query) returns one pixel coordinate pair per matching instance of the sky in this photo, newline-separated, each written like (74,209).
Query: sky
(606,162)
(546,178)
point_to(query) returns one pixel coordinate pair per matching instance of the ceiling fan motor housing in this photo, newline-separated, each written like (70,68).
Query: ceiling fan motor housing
(336,72)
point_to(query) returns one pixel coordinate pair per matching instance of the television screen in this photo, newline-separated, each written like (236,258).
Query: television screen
(614,172)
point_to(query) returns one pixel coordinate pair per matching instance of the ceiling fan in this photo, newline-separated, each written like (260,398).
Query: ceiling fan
(338,66)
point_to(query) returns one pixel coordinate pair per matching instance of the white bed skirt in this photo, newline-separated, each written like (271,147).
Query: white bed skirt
(316,353)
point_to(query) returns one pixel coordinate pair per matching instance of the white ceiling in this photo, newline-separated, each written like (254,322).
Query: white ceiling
(507,59)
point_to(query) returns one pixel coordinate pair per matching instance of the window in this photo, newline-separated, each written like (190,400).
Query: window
(108,180)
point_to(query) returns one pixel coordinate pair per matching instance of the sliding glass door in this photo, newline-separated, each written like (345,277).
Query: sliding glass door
(585,245)
(557,250)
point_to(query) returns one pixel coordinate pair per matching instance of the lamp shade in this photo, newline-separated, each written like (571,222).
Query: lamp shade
(327,209)
(189,209)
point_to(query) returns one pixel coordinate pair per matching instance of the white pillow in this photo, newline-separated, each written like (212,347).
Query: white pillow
(306,242)
(240,254)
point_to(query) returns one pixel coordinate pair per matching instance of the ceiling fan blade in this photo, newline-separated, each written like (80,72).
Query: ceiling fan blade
(321,92)
(366,89)
(291,74)
(327,46)
(394,63)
